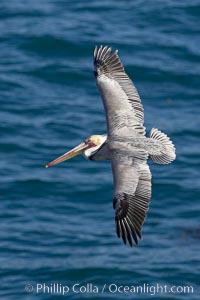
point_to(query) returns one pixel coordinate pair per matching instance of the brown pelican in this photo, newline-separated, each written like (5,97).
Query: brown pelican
(125,144)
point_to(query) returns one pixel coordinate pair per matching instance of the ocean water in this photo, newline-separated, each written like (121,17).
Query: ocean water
(57,224)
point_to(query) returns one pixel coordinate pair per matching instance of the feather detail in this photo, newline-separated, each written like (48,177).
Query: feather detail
(131,209)
(166,153)
(107,63)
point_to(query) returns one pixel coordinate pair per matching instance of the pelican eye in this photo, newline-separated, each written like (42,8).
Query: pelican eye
(90,143)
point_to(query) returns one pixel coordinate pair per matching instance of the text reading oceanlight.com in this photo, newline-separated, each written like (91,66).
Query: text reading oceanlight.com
(90,288)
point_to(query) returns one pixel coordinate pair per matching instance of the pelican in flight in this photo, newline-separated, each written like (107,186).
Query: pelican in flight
(125,145)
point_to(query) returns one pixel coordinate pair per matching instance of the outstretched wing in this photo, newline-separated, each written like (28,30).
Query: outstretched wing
(132,180)
(124,110)
(125,119)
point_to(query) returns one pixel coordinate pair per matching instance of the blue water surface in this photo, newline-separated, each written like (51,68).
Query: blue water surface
(57,224)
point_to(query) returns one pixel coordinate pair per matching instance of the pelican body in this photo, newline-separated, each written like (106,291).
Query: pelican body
(125,145)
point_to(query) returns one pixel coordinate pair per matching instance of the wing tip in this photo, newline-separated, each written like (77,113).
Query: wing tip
(129,218)
(126,233)
(106,60)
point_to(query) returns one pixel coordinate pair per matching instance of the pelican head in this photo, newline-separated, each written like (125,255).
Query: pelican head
(87,148)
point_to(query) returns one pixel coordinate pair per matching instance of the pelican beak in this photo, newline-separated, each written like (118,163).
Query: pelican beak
(75,151)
